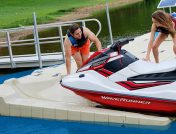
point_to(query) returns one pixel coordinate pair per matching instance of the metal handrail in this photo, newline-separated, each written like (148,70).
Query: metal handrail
(10,50)
(29,40)
(37,41)
(67,23)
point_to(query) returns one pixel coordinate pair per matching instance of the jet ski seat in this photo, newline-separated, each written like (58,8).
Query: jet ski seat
(146,67)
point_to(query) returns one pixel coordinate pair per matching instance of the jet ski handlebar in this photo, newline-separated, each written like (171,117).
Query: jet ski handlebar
(121,42)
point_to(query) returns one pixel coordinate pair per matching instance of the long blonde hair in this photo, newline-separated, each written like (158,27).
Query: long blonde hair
(164,19)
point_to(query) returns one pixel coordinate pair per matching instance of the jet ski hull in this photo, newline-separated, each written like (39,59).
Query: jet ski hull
(134,103)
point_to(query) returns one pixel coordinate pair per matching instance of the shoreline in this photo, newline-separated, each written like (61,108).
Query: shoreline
(84,12)
(79,13)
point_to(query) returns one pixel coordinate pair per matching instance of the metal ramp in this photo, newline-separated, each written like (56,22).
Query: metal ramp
(31,60)
(37,58)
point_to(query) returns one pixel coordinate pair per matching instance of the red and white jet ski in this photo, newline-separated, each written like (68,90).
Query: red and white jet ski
(116,78)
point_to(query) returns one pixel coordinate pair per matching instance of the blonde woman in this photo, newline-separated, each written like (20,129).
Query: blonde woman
(165,25)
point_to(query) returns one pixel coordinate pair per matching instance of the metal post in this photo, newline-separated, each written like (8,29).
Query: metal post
(36,37)
(10,50)
(170,10)
(109,22)
(83,23)
(62,43)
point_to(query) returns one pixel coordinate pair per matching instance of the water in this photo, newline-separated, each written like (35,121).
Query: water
(6,74)
(132,20)
(14,125)
(129,21)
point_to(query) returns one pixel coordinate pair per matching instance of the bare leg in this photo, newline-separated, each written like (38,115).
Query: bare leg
(85,57)
(161,37)
(174,49)
(78,59)
(174,46)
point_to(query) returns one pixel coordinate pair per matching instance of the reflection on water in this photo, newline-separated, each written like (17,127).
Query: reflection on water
(132,20)
(13,125)
(129,21)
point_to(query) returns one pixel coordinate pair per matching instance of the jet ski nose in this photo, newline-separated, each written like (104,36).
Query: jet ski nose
(81,75)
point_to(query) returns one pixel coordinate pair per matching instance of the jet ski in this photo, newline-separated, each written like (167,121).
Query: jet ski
(114,77)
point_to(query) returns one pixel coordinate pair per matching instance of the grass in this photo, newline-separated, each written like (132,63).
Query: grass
(14,13)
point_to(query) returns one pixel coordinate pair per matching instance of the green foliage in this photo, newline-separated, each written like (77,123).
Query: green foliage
(14,13)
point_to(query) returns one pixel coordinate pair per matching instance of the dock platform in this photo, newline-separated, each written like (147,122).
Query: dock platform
(40,95)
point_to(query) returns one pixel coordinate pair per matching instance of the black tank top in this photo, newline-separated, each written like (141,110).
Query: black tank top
(164,30)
